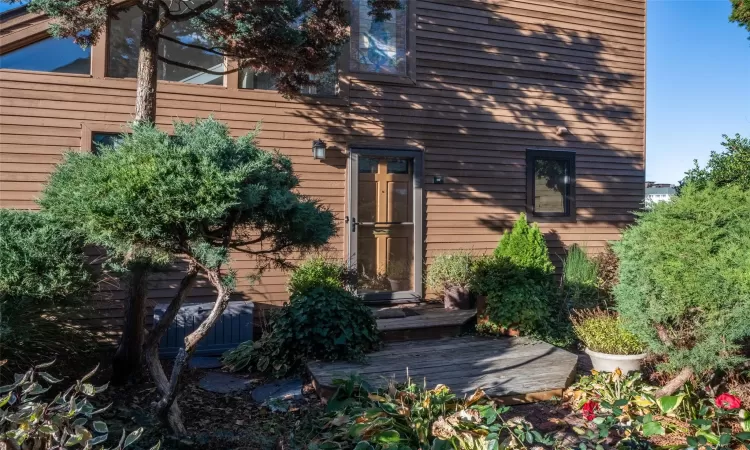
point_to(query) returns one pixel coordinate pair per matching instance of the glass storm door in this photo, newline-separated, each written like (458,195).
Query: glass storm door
(385,223)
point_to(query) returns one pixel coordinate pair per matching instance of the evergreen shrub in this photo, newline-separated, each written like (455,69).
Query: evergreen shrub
(685,278)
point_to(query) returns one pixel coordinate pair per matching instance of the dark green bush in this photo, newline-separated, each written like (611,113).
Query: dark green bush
(319,271)
(685,278)
(42,267)
(325,323)
(525,247)
(517,297)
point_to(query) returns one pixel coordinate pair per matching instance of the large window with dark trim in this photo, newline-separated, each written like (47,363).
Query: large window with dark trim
(179,45)
(550,183)
(49,55)
(324,84)
(379,46)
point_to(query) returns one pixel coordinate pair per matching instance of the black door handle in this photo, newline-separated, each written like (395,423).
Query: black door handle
(354,224)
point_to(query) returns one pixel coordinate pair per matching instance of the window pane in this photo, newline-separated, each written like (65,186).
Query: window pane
(98,140)
(378,46)
(49,55)
(124,39)
(550,186)
(325,84)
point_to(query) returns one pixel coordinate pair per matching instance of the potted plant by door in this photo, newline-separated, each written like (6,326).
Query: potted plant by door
(451,273)
(397,273)
(607,342)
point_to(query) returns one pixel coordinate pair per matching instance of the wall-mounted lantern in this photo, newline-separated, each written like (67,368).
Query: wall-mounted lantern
(319,149)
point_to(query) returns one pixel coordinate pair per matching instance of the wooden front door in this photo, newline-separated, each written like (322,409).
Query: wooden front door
(385,210)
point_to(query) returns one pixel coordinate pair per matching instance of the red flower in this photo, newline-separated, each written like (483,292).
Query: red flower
(728,401)
(589,410)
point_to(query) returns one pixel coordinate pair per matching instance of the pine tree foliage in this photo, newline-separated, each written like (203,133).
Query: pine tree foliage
(684,278)
(158,196)
(741,13)
(525,247)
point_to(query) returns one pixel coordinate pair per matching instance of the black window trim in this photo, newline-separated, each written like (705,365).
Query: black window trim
(532,154)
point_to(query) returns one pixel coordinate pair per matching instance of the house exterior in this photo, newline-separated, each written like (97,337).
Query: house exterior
(659,192)
(440,127)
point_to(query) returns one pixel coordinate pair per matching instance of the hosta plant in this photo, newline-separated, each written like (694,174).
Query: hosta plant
(411,417)
(68,420)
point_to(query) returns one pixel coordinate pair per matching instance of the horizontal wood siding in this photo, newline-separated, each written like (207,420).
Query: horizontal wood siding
(493,78)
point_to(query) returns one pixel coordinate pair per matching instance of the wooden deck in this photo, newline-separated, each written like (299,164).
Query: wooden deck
(426,322)
(514,370)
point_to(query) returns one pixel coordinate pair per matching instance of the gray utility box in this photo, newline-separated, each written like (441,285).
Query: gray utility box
(234,327)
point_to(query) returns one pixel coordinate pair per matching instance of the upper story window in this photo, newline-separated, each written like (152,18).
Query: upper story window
(379,46)
(325,84)
(49,55)
(550,183)
(125,36)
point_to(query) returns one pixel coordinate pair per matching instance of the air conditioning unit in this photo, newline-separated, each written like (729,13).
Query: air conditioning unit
(233,327)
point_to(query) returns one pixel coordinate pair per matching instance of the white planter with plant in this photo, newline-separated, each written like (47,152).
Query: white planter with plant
(451,274)
(607,342)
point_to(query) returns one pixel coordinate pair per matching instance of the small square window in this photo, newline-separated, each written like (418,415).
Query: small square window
(550,183)
(99,140)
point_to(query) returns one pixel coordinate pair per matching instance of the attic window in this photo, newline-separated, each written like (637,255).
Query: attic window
(49,55)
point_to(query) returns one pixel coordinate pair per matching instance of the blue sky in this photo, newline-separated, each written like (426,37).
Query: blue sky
(698,84)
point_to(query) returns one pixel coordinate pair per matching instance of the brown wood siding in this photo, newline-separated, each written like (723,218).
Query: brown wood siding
(493,78)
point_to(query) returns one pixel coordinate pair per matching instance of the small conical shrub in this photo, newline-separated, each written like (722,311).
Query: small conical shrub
(525,247)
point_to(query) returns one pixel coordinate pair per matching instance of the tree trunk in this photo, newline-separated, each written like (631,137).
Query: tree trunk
(128,358)
(173,416)
(676,383)
(145,97)
(191,341)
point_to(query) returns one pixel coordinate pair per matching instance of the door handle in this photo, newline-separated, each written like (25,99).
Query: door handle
(354,224)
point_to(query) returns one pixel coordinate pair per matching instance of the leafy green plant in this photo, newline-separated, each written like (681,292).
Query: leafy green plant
(325,323)
(731,167)
(602,331)
(684,289)
(319,271)
(410,417)
(67,421)
(42,267)
(450,270)
(524,246)
(517,297)
(580,281)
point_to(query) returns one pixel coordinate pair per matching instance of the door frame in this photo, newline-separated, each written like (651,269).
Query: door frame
(418,219)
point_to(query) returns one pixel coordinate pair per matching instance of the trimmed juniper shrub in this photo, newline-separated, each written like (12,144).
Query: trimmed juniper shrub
(525,247)
(684,287)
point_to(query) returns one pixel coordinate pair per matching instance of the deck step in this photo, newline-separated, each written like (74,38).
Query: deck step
(425,322)
(513,370)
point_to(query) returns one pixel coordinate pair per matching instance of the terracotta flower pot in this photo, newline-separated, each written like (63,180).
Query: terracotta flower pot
(457,297)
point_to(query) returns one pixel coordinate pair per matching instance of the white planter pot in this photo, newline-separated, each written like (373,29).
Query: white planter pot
(605,362)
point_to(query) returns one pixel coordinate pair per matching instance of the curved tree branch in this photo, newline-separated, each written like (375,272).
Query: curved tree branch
(195,46)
